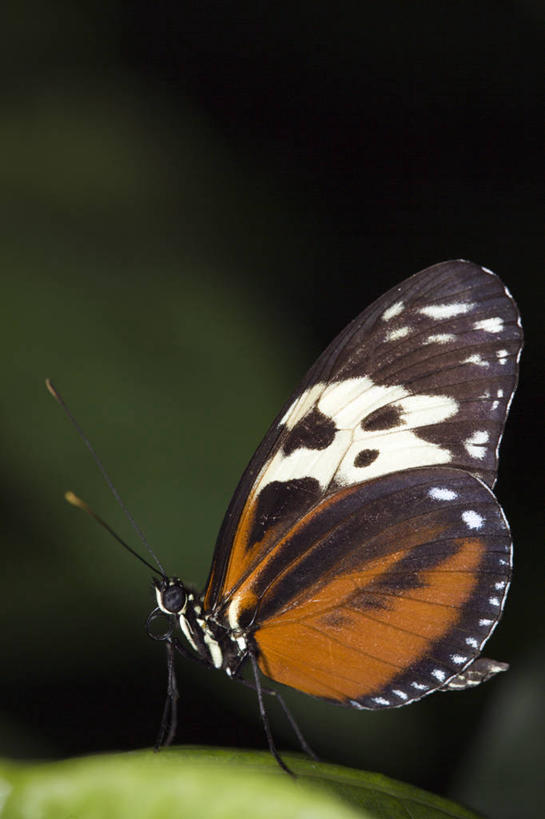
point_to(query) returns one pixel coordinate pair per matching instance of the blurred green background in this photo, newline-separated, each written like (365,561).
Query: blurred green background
(195,197)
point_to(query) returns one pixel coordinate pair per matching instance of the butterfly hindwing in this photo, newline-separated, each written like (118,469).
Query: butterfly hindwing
(383,593)
(423,377)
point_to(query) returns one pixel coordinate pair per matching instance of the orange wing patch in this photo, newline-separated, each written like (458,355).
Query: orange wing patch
(267,515)
(379,594)
(249,557)
(330,647)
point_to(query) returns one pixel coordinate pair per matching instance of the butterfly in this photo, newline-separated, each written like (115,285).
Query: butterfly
(363,558)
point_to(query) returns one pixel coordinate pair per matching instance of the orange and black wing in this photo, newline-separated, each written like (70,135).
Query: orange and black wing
(424,377)
(384,592)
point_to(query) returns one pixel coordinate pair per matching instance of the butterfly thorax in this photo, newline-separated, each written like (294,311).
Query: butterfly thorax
(214,643)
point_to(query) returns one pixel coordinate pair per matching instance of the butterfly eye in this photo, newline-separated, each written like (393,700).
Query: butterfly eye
(173,598)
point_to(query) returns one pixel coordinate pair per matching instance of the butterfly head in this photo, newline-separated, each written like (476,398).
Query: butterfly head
(171,595)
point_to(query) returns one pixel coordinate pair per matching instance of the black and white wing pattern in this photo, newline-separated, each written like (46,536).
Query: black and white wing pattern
(424,377)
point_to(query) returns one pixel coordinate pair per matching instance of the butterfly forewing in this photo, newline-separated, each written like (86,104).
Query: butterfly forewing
(384,592)
(423,377)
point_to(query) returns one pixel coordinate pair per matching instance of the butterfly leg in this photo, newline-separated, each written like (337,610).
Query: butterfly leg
(264,717)
(296,730)
(169,718)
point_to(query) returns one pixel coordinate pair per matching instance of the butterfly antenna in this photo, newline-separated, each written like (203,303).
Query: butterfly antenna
(80,504)
(60,400)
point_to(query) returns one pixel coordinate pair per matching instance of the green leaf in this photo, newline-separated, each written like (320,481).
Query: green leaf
(212,783)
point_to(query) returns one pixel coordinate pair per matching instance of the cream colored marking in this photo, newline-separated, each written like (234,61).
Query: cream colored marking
(401,332)
(234,608)
(472,519)
(214,649)
(477,359)
(302,405)
(187,631)
(445,311)
(502,356)
(392,311)
(458,659)
(159,599)
(442,493)
(489,325)
(440,338)
(474,445)
(347,403)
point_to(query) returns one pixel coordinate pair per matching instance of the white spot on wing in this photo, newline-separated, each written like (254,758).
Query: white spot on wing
(392,311)
(493,601)
(401,694)
(476,359)
(381,701)
(502,356)
(440,338)
(442,493)
(458,659)
(471,641)
(399,448)
(445,311)
(490,325)
(401,332)
(475,444)
(439,674)
(302,405)
(472,519)
(347,403)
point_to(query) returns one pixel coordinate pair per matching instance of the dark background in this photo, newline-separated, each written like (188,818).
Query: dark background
(195,197)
